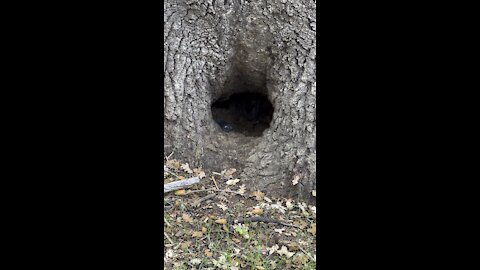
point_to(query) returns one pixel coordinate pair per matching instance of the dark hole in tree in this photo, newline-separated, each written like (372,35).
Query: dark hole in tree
(245,112)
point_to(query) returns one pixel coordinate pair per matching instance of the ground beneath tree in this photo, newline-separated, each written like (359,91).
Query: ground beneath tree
(221,224)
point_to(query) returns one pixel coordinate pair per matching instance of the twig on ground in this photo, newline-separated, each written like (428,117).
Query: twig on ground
(166,222)
(310,256)
(168,237)
(209,196)
(180,184)
(215,182)
(167,171)
(172,173)
(217,190)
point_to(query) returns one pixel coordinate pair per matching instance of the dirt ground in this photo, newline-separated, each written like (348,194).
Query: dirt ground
(220,223)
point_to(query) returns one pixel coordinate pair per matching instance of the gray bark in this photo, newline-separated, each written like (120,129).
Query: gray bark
(214,47)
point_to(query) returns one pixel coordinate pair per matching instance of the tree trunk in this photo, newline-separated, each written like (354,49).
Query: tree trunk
(213,49)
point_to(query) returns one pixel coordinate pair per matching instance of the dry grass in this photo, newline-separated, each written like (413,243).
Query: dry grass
(200,232)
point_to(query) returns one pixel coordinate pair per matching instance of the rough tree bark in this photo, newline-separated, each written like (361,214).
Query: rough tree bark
(212,48)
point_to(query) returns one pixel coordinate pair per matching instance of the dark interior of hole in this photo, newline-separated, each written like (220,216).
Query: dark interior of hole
(246,113)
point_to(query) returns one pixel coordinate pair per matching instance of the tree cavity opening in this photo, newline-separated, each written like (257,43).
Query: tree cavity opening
(248,113)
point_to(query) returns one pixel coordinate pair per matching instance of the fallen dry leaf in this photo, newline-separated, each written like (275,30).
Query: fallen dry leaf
(293,246)
(273,249)
(289,204)
(295,180)
(242,189)
(221,221)
(195,261)
(257,211)
(258,195)
(186,168)
(173,163)
(197,234)
(169,254)
(313,229)
(222,206)
(300,259)
(180,192)
(186,244)
(199,173)
(284,251)
(228,173)
(232,182)
(187,218)
(208,253)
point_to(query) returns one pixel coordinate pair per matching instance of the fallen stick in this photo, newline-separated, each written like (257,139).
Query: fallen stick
(180,184)
(168,237)
(167,171)
(197,203)
(308,254)
(214,189)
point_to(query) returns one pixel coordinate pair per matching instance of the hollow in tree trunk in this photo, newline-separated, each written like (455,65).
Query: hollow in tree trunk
(240,90)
